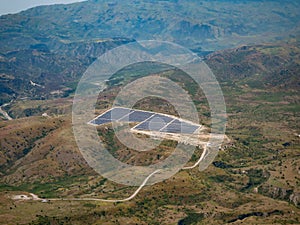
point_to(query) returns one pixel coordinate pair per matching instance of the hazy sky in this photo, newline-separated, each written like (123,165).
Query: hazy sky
(14,6)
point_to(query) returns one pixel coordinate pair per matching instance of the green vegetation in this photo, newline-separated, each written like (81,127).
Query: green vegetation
(192,218)
(54,45)
(49,189)
(256,177)
(255,171)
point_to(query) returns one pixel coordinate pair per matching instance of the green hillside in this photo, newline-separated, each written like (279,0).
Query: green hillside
(254,180)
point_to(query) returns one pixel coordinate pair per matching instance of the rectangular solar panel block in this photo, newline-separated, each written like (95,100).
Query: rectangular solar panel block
(176,121)
(189,129)
(180,127)
(158,118)
(175,128)
(150,126)
(136,116)
(115,114)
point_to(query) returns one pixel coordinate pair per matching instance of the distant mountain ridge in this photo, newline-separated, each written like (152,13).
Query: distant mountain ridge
(211,25)
(53,45)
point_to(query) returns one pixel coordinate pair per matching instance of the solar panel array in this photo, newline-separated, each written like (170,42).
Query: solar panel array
(148,121)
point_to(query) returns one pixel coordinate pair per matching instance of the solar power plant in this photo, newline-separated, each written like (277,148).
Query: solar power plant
(148,121)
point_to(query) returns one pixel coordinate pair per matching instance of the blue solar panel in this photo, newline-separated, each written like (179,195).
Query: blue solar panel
(137,116)
(148,125)
(110,116)
(180,127)
(99,121)
(160,118)
(115,113)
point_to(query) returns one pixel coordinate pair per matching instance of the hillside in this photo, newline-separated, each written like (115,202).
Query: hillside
(45,50)
(254,180)
(39,73)
(206,24)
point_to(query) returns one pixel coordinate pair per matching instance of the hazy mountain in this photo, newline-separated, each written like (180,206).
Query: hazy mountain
(51,46)
(207,24)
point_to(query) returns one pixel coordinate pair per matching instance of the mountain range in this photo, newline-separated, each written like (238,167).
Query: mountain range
(51,46)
